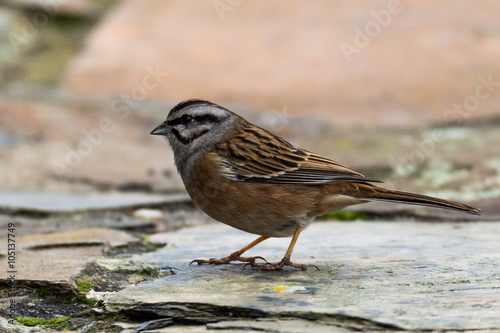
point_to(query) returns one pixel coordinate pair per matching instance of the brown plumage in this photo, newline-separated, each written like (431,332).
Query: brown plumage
(244,176)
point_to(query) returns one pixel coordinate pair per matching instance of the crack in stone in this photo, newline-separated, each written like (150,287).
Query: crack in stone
(341,320)
(203,313)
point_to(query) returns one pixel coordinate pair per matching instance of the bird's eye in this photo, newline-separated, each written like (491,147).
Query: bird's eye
(186,119)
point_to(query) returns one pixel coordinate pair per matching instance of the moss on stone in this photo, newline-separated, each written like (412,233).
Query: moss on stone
(31,321)
(42,292)
(84,286)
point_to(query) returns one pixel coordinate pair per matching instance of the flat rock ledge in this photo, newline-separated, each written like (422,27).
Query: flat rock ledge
(69,203)
(373,276)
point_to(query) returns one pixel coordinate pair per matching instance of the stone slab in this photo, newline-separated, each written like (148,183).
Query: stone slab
(259,325)
(51,268)
(77,237)
(70,202)
(51,260)
(373,276)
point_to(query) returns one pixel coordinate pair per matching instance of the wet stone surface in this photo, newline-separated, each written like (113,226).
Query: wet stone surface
(373,276)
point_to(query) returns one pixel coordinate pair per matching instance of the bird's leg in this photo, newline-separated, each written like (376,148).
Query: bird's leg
(286,259)
(235,256)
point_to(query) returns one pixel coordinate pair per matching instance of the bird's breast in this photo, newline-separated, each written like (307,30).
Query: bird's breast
(264,209)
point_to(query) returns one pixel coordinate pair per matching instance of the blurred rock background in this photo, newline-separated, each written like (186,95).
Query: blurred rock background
(404,91)
(408,92)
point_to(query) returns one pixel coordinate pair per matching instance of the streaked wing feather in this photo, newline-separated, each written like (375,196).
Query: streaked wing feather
(256,155)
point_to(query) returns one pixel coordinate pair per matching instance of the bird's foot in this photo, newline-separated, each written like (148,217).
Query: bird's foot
(279,266)
(227,260)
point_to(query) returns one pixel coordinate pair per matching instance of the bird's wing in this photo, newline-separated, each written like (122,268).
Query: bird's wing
(256,155)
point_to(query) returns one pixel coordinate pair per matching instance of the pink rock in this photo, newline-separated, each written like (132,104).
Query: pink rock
(356,63)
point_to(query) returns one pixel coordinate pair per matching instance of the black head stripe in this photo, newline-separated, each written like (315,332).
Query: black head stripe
(179,137)
(207,118)
(199,119)
(185,140)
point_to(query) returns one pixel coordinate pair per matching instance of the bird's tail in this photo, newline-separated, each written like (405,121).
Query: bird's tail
(376,193)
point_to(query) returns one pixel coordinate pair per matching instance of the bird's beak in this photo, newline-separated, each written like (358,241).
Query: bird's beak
(163,129)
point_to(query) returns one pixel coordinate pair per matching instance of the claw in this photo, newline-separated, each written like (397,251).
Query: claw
(279,266)
(252,263)
(227,260)
(204,261)
(258,257)
(314,267)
